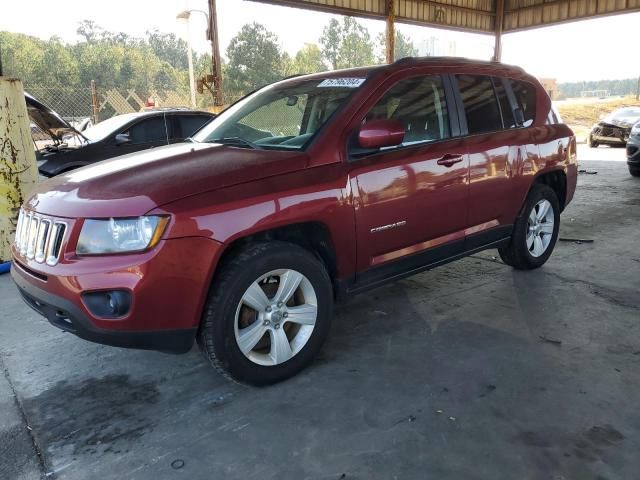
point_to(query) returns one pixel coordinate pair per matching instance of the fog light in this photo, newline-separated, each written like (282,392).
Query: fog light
(108,304)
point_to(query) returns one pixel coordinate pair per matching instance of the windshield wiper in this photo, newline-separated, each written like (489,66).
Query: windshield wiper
(237,142)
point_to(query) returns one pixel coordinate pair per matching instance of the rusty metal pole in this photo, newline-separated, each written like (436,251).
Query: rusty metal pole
(18,169)
(499,19)
(215,55)
(391,31)
(94,102)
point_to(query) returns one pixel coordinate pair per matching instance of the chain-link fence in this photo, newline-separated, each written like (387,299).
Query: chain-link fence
(72,104)
(80,106)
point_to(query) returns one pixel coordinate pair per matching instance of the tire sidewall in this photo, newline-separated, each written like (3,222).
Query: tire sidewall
(538,192)
(222,332)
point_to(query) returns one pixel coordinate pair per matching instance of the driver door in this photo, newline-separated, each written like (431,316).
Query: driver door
(411,199)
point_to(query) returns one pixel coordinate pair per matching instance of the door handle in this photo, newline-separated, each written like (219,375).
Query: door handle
(449,159)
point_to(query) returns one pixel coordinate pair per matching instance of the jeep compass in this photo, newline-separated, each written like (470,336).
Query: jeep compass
(304,192)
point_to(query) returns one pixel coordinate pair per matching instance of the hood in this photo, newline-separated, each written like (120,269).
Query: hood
(47,120)
(134,184)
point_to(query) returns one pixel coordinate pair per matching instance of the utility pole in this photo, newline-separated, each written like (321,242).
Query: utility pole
(215,55)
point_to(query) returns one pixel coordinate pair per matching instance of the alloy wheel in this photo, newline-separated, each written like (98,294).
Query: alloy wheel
(276,317)
(540,228)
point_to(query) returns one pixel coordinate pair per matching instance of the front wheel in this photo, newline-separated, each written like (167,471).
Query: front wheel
(268,313)
(634,171)
(535,231)
(592,142)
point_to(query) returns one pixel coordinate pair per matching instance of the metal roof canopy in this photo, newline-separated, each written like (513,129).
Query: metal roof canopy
(479,16)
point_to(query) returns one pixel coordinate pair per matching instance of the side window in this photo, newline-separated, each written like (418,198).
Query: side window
(480,104)
(505,105)
(148,131)
(189,124)
(525,94)
(419,103)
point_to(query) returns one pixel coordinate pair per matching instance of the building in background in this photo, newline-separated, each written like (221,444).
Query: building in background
(436,47)
(551,86)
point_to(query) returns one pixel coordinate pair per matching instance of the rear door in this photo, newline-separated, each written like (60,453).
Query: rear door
(496,150)
(147,133)
(182,126)
(411,200)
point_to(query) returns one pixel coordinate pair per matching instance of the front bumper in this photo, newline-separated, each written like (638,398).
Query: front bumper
(168,287)
(633,152)
(610,134)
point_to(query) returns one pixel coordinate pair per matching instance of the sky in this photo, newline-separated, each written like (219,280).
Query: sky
(571,52)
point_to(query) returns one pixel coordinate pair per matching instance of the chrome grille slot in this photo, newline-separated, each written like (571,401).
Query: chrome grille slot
(39,238)
(33,236)
(24,234)
(41,243)
(19,228)
(54,245)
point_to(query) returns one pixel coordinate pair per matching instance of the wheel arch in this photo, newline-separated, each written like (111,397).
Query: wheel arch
(313,236)
(557,181)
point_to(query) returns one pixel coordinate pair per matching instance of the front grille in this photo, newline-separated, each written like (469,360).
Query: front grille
(39,238)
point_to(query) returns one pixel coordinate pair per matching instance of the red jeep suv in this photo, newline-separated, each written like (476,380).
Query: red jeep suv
(308,190)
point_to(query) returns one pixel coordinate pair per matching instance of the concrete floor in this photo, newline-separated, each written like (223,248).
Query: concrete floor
(469,371)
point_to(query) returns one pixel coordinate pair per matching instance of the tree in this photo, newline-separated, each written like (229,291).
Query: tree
(347,45)
(308,60)
(168,47)
(404,47)
(356,49)
(90,30)
(255,59)
(330,41)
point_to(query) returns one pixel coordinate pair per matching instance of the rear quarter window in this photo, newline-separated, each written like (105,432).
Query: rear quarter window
(525,94)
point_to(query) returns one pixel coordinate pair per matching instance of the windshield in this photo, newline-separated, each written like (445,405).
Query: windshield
(282,116)
(626,112)
(106,127)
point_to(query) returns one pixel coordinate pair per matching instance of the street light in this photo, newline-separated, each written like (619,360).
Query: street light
(212,36)
(183,17)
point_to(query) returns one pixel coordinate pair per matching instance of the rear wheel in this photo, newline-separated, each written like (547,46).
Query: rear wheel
(634,171)
(535,232)
(268,313)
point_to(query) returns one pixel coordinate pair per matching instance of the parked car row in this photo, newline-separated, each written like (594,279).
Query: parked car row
(305,192)
(67,148)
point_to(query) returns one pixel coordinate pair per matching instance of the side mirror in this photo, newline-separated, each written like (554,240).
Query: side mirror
(381,133)
(122,138)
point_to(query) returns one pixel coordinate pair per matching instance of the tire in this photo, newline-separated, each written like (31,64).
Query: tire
(524,252)
(243,298)
(592,143)
(634,171)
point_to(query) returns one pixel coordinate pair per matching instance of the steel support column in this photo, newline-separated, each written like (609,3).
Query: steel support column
(391,31)
(499,19)
(18,168)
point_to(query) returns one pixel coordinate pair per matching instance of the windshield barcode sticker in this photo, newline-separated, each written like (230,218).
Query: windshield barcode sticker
(342,82)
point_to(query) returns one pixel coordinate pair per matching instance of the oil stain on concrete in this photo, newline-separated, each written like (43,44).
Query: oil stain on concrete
(95,416)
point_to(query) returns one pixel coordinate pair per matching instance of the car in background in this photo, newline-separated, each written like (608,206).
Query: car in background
(65,148)
(614,129)
(633,150)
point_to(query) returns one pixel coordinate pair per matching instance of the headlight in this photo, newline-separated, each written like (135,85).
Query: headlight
(120,235)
